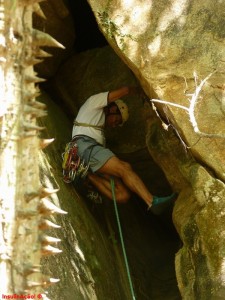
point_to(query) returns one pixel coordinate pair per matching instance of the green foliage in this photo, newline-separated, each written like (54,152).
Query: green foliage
(112,30)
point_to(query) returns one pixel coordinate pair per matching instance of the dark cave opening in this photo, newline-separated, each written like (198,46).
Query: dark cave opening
(88,35)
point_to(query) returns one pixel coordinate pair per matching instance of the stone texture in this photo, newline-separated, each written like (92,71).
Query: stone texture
(164,44)
(198,215)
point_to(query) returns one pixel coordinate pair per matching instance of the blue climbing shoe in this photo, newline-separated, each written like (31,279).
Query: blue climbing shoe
(160,200)
(159,204)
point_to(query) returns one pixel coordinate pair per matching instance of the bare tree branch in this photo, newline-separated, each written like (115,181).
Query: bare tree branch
(191,109)
(193,103)
(170,103)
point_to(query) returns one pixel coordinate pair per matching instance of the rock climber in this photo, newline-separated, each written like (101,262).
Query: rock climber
(102,110)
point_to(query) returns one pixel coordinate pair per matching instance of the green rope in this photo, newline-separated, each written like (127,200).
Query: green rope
(121,238)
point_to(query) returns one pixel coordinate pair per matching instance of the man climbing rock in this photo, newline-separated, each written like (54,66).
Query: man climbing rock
(108,110)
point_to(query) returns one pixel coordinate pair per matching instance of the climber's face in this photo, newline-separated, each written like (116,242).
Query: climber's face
(113,120)
(113,117)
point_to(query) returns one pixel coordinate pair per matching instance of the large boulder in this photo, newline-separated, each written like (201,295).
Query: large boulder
(176,50)
(171,48)
(198,215)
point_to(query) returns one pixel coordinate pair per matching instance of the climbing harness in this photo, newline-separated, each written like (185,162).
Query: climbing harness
(88,125)
(121,238)
(73,168)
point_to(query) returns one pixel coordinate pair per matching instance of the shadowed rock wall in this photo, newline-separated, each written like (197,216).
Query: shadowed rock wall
(88,266)
(91,265)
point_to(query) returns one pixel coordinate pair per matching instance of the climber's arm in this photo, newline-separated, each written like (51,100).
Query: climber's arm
(123,91)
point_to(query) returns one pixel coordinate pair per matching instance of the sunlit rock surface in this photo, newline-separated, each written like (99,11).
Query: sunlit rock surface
(171,47)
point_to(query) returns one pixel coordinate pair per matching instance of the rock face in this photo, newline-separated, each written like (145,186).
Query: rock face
(164,45)
(88,256)
(92,265)
(176,50)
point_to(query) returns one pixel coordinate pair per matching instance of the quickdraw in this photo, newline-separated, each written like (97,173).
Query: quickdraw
(73,168)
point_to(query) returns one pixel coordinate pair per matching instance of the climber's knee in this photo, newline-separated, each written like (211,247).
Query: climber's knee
(124,168)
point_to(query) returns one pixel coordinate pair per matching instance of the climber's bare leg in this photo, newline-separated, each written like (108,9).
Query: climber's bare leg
(116,167)
(102,183)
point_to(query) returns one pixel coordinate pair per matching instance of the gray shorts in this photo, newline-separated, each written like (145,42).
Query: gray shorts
(92,152)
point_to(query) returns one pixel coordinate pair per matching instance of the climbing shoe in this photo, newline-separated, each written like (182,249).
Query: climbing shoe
(160,200)
(159,204)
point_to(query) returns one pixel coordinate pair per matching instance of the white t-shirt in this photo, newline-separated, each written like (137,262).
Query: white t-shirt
(91,112)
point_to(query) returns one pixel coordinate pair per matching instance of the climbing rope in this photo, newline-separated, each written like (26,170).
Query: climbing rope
(121,238)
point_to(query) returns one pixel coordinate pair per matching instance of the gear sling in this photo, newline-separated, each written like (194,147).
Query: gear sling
(73,168)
